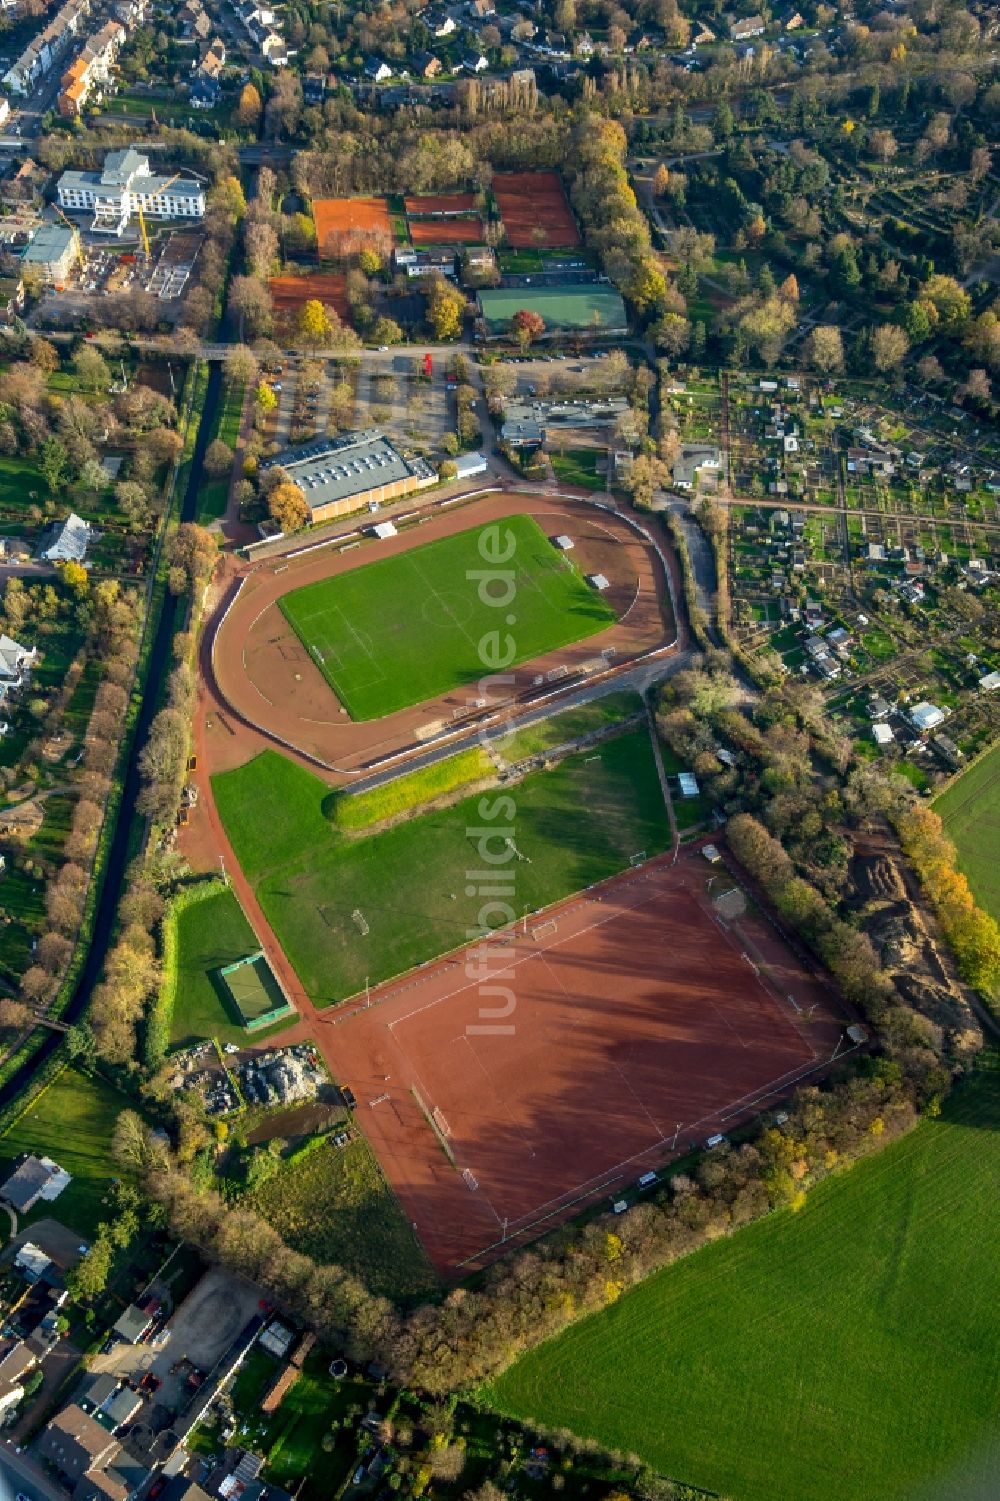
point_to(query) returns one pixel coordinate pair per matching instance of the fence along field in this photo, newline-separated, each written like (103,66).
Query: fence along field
(855,1342)
(405,629)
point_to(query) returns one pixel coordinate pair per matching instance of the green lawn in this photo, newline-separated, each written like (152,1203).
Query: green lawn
(411,627)
(572,724)
(21,483)
(971,812)
(403,794)
(572,825)
(849,1351)
(71,1121)
(210,933)
(335,1206)
(291,1439)
(578,467)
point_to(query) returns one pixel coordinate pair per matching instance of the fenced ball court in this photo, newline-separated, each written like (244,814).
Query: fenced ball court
(535,1073)
(251,988)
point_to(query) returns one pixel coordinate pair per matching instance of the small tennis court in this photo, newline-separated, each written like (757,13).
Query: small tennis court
(426,621)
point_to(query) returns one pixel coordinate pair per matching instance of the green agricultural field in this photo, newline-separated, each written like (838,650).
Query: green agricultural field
(73,1122)
(847,1351)
(409,628)
(971,812)
(573,825)
(335,1206)
(210,933)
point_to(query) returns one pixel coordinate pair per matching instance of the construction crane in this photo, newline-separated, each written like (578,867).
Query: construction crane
(142,221)
(81,258)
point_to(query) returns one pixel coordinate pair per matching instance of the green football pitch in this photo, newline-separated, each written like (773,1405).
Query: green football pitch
(409,628)
(848,1351)
(347,910)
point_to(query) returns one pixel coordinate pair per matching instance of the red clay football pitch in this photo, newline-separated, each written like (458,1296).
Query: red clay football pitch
(505,1088)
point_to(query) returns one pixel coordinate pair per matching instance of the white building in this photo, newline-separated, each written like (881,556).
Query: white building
(39,56)
(15,661)
(70,540)
(925,716)
(124,185)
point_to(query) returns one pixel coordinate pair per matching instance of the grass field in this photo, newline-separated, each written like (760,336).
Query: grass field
(409,628)
(971,812)
(848,1351)
(210,933)
(71,1121)
(335,1206)
(572,724)
(403,794)
(573,825)
(578,467)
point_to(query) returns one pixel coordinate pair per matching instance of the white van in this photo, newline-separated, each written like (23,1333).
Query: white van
(646,1180)
(619,1206)
(717,1140)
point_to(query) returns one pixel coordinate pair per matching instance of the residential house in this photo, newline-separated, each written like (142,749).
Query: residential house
(480,9)
(212,60)
(35,1178)
(40,56)
(699,466)
(11,298)
(474,62)
(275,49)
(426,65)
(16,1366)
(742,29)
(74,1443)
(377,69)
(69,541)
(135,1323)
(439,23)
(205,92)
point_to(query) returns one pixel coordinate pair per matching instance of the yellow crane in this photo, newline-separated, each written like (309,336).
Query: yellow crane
(78,248)
(142,220)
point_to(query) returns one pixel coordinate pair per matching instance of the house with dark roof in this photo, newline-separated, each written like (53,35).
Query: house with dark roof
(74,1444)
(34,1178)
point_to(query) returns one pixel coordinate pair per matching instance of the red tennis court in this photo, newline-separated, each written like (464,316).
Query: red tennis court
(503,1093)
(446,231)
(441,203)
(535,211)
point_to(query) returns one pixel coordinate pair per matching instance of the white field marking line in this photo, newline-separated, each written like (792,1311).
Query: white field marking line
(516,957)
(616,1067)
(426,1096)
(442,602)
(771,992)
(589,1187)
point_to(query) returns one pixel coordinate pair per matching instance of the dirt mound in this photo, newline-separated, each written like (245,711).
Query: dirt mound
(876,878)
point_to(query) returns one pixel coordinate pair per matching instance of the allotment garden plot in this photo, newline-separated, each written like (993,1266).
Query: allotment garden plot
(409,628)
